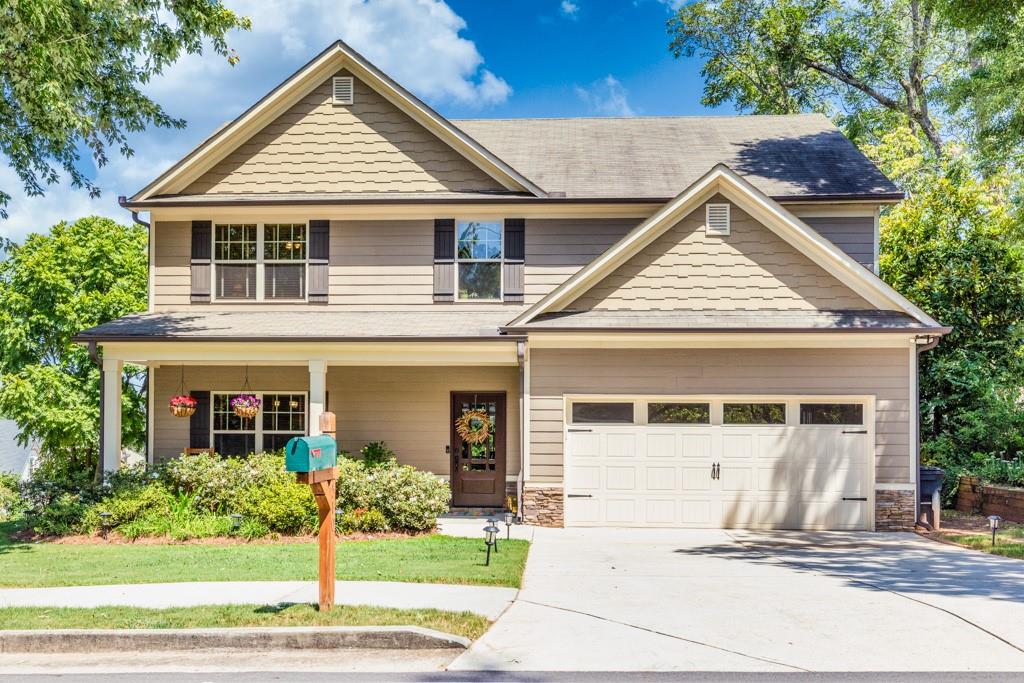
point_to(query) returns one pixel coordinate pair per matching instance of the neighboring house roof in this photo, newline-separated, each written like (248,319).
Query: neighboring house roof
(725,321)
(14,458)
(338,55)
(786,157)
(722,180)
(301,325)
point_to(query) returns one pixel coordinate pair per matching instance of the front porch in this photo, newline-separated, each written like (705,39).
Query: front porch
(406,395)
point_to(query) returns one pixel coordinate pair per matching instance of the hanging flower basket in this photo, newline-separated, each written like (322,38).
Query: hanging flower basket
(474,426)
(246,406)
(183,405)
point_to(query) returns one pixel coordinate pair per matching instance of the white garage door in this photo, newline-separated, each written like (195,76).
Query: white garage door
(719,463)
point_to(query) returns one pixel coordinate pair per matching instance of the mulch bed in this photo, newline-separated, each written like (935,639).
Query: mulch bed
(114,538)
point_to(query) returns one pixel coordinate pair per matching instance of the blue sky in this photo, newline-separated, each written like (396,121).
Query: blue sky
(467,58)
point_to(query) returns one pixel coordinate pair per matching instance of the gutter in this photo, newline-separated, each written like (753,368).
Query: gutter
(123,203)
(91,339)
(929,331)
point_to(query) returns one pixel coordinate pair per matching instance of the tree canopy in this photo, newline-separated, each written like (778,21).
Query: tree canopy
(51,287)
(72,77)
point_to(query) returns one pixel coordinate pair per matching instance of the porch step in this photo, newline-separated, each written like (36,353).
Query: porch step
(483,513)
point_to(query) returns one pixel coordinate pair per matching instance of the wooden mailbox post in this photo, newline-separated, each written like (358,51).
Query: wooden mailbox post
(324,484)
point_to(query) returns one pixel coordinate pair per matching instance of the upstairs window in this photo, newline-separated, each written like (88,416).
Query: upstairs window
(260,261)
(478,254)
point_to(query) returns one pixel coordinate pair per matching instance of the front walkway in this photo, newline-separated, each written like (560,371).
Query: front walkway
(484,600)
(651,599)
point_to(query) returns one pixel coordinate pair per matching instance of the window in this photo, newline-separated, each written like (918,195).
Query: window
(831,414)
(754,413)
(602,413)
(679,413)
(282,416)
(478,253)
(259,262)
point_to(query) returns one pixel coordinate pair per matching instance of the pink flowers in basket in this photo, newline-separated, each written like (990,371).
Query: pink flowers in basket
(183,405)
(246,405)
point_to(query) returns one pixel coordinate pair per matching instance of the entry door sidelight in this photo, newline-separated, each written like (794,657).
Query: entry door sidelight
(478,464)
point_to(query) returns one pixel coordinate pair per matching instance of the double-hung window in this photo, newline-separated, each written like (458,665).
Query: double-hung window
(478,254)
(282,416)
(260,261)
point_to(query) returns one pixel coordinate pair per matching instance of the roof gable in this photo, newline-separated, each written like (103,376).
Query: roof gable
(721,180)
(299,86)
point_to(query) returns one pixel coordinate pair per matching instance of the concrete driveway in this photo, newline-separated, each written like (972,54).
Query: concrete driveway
(651,599)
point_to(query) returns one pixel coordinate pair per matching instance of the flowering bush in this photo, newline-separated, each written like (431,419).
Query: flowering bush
(183,401)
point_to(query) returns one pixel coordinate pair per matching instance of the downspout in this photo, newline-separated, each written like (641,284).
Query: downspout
(520,480)
(930,343)
(94,356)
(123,201)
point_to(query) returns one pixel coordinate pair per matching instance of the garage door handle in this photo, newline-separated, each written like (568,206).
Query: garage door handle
(855,431)
(578,495)
(581,430)
(853,498)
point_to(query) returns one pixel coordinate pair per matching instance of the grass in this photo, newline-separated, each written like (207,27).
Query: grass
(1009,538)
(421,559)
(459,623)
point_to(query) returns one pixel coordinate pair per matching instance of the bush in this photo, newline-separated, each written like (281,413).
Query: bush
(11,502)
(128,505)
(377,454)
(1001,471)
(63,516)
(283,506)
(180,521)
(218,482)
(409,499)
(361,519)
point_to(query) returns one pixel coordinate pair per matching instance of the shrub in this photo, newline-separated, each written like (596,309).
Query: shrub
(408,498)
(11,502)
(1002,471)
(217,482)
(361,519)
(377,454)
(282,505)
(128,505)
(180,521)
(61,517)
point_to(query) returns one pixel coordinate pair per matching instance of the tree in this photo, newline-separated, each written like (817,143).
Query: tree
(52,287)
(878,59)
(72,72)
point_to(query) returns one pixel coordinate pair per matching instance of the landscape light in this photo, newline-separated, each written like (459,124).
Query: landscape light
(105,523)
(993,524)
(236,520)
(510,519)
(491,539)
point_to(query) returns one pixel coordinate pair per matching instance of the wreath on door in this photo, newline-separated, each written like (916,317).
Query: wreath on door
(474,426)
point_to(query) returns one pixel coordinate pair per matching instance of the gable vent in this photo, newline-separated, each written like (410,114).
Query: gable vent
(343,90)
(717,219)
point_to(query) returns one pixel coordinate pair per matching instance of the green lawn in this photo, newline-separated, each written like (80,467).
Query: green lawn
(459,623)
(420,559)
(1009,538)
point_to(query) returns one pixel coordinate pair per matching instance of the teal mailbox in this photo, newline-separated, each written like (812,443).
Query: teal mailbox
(310,453)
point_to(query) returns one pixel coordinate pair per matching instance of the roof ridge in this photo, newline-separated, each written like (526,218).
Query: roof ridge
(671,117)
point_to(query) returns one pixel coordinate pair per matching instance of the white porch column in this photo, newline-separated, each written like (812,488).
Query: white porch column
(317,394)
(110,448)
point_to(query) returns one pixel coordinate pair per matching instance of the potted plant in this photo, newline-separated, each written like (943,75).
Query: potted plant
(246,405)
(183,405)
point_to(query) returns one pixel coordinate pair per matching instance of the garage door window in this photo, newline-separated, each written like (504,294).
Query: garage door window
(831,414)
(754,413)
(602,413)
(679,413)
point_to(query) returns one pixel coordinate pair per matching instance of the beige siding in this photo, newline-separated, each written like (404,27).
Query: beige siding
(316,146)
(410,409)
(172,254)
(853,234)
(750,269)
(407,407)
(883,373)
(389,264)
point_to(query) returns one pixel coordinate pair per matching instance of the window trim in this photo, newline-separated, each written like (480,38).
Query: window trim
(500,261)
(786,412)
(800,410)
(261,262)
(258,432)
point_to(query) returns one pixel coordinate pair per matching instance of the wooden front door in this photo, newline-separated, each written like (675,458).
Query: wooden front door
(478,469)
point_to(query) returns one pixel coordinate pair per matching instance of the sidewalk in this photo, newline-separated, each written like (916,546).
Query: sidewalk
(487,601)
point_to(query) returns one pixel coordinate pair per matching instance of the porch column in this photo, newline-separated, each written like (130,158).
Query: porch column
(317,394)
(110,446)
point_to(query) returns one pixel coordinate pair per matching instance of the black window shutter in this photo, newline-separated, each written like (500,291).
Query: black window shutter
(515,259)
(444,259)
(319,260)
(199,423)
(201,261)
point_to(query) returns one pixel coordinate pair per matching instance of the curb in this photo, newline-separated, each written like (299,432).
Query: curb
(249,639)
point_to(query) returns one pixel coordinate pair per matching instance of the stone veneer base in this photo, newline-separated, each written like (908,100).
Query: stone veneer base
(894,510)
(543,505)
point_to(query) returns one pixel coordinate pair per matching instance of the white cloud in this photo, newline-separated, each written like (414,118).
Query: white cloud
(606,97)
(570,9)
(417,42)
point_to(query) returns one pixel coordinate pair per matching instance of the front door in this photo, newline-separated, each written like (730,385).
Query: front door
(478,449)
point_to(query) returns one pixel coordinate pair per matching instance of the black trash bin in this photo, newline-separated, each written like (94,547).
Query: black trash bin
(931,482)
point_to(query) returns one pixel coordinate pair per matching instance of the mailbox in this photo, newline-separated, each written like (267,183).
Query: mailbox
(310,453)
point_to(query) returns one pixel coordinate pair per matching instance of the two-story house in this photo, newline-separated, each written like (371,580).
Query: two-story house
(667,321)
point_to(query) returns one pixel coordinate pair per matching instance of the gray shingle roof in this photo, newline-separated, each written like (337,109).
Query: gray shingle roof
(783,156)
(302,325)
(745,321)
